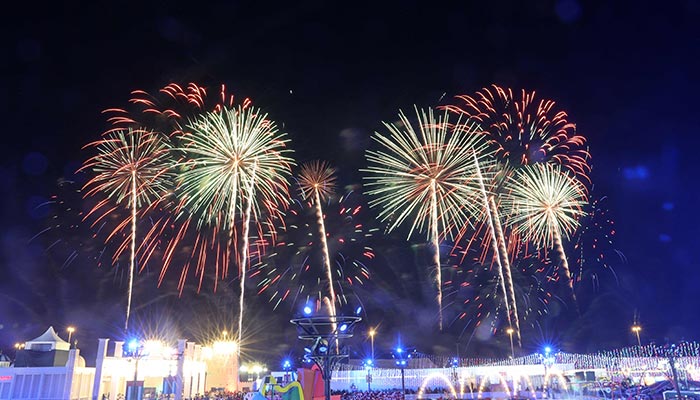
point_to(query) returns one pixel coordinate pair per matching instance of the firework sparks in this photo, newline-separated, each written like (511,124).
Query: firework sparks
(475,291)
(596,247)
(545,207)
(131,169)
(426,174)
(288,274)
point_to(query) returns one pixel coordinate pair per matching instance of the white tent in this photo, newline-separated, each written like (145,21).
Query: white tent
(48,341)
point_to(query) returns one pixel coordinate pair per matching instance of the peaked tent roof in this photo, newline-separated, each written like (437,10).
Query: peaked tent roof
(50,336)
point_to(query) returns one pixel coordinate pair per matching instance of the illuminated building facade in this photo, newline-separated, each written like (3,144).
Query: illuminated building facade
(47,369)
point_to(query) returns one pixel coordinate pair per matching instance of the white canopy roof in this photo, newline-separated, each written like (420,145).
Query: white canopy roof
(49,337)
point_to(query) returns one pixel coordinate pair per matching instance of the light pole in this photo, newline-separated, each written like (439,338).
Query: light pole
(70,330)
(510,333)
(287,367)
(135,351)
(455,374)
(18,347)
(636,329)
(402,365)
(368,365)
(512,356)
(671,352)
(547,361)
(372,332)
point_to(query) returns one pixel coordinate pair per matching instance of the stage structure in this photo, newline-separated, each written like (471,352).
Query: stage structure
(326,334)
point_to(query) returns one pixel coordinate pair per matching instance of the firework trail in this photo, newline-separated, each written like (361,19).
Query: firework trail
(130,167)
(244,258)
(317,180)
(425,172)
(545,205)
(500,253)
(233,157)
(288,273)
(503,253)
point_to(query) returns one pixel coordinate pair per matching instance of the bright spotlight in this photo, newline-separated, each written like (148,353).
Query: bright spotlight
(547,349)
(358,310)
(154,347)
(133,345)
(307,310)
(399,350)
(343,327)
(222,347)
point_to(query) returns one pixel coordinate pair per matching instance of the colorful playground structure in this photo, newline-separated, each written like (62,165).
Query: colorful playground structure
(305,384)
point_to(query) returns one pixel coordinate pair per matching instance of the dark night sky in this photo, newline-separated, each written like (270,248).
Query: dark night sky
(626,72)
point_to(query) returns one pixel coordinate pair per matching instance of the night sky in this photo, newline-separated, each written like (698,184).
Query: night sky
(626,72)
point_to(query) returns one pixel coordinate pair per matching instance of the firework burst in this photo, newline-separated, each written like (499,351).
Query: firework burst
(317,179)
(227,152)
(131,169)
(425,175)
(168,109)
(545,206)
(235,162)
(523,130)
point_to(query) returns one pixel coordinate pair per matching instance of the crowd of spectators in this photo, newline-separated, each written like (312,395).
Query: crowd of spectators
(389,394)
(221,396)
